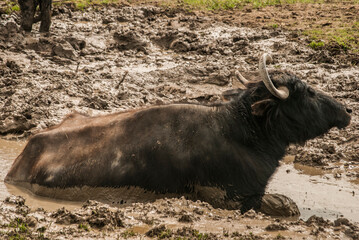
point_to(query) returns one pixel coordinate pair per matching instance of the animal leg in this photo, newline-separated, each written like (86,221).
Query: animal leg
(251,202)
(45,8)
(27,8)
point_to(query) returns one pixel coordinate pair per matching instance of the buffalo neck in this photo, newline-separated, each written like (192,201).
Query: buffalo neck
(251,131)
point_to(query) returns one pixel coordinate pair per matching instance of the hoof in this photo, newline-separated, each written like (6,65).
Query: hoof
(278,205)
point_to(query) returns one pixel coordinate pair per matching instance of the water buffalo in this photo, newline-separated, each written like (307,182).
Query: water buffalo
(234,146)
(28,10)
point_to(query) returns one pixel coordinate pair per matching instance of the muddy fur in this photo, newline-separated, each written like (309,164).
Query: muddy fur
(235,146)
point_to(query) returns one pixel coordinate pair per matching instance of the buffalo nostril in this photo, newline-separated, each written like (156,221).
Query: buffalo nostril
(348,110)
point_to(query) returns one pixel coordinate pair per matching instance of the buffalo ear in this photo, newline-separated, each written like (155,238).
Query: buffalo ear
(261,107)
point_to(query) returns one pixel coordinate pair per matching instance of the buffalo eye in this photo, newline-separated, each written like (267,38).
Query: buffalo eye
(311,92)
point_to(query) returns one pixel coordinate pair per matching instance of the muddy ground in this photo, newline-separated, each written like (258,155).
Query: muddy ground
(106,60)
(163,219)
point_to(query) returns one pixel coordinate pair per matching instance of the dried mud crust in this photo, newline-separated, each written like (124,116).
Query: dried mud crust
(163,219)
(115,59)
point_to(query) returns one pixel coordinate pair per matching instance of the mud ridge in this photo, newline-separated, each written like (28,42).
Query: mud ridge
(163,219)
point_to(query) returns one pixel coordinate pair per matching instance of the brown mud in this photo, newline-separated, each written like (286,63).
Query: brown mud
(163,219)
(113,59)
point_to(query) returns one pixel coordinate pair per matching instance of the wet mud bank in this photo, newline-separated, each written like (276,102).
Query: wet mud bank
(104,61)
(163,219)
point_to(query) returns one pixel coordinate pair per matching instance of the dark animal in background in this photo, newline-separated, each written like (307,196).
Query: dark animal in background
(28,10)
(234,146)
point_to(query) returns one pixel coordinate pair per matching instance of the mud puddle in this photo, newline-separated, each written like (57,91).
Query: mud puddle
(9,150)
(321,194)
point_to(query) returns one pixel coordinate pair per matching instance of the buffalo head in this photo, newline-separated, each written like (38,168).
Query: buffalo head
(290,109)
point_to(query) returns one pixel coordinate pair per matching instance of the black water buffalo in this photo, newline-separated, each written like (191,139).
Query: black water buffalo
(234,146)
(28,10)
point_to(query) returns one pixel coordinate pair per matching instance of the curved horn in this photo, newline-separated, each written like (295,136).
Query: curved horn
(241,78)
(282,92)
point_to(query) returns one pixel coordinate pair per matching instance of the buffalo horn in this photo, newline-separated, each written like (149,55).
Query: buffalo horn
(241,78)
(282,92)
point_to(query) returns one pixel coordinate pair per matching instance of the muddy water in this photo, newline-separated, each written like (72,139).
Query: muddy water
(319,194)
(9,150)
(322,195)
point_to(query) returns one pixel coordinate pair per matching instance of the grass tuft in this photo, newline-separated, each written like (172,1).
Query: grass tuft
(316,45)
(9,6)
(346,37)
(128,234)
(84,227)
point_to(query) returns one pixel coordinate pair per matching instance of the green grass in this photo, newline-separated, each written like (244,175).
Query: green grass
(346,37)
(15,8)
(202,236)
(20,230)
(279,236)
(128,233)
(316,45)
(17,237)
(193,4)
(9,6)
(84,4)
(231,4)
(83,227)
(212,4)
(165,234)
(274,25)
(19,225)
